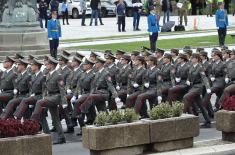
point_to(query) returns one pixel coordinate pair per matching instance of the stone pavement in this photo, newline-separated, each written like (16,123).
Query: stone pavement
(76,31)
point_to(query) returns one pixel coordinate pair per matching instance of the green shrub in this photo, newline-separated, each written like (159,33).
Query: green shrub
(164,110)
(101,119)
(130,115)
(115,116)
(177,109)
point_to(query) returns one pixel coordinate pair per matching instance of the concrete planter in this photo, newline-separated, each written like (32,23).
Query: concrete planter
(225,123)
(128,138)
(173,133)
(26,145)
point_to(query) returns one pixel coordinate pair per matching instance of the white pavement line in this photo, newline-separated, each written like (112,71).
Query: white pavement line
(208,150)
(139,39)
(202,141)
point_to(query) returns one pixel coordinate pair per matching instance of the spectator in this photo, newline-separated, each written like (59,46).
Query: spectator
(153,28)
(83,10)
(209,7)
(233,6)
(65,12)
(167,9)
(54,6)
(43,13)
(137,9)
(121,14)
(94,14)
(100,14)
(221,23)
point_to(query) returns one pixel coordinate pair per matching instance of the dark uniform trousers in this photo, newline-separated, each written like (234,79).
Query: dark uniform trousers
(222,34)
(176,93)
(131,99)
(54,43)
(5,97)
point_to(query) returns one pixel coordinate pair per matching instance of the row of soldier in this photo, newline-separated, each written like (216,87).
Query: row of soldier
(76,90)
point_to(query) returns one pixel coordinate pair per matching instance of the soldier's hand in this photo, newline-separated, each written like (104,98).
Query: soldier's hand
(177,79)
(226,80)
(117,87)
(208,91)
(73,99)
(0,91)
(32,95)
(15,91)
(146,85)
(117,100)
(69,91)
(212,79)
(127,95)
(159,99)
(188,83)
(135,85)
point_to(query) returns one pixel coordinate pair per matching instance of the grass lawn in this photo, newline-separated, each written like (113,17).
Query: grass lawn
(164,44)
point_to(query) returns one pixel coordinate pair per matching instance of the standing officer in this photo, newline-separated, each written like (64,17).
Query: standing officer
(83,11)
(136,81)
(181,75)
(196,81)
(54,33)
(183,11)
(7,82)
(21,89)
(221,23)
(122,80)
(54,94)
(153,28)
(152,88)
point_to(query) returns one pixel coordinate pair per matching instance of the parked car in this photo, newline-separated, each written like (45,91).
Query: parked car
(107,8)
(74,8)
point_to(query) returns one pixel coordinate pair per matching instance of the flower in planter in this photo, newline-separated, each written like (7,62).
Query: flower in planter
(101,119)
(161,111)
(115,116)
(229,103)
(130,115)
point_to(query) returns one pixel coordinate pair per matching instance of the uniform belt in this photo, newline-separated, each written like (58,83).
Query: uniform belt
(4,90)
(53,93)
(54,30)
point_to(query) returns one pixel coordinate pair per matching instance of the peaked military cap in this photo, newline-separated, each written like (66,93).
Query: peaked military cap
(66,53)
(75,58)
(224,48)
(228,51)
(147,53)
(152,58)
(18,56)
(52,60)
(145,48)
(183,56)
(135,53)
(214,50)
(127,57)
(204,53)
(80,55)
(63,58)
(23,62)
(45,57)
(101,60)
(187,48)
(174,50)
(168,56)
(188,51)
(110,56)
(9,59)
(196,55)
(120,52)
(160,51)
(94,54)
(140,58)
(108,51)
(88,61)
(219,54)
(31,57)
(199,49)
(36,62)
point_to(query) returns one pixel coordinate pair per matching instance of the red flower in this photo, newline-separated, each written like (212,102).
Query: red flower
(229,103)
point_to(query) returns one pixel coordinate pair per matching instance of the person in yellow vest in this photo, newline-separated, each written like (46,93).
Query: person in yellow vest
(183,11)
(209,7)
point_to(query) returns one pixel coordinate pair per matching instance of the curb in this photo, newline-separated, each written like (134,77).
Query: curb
(222,149)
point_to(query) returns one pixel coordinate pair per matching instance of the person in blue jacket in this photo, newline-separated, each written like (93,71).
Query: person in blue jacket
(221,23)
(153,28)
(65,12)
(54,33)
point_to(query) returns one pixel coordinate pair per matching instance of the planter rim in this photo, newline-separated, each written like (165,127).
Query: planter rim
(25,136)
(170,118)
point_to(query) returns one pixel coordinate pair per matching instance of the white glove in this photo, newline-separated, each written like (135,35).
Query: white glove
(159,99)
(118,87)
(188,83)
(212,79)
(79,96)
(177,79)
(150,33)
(32,95)
(135,85)
(73,99)
(226,80)
(0,91)
(69,91)
(208,91)
(146,85)
(50,38)
(127,95)
(15,91)
(119,105)
(117,100)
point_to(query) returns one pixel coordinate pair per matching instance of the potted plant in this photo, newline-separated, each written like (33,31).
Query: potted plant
(225,119)
(170,129)
(20,138)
